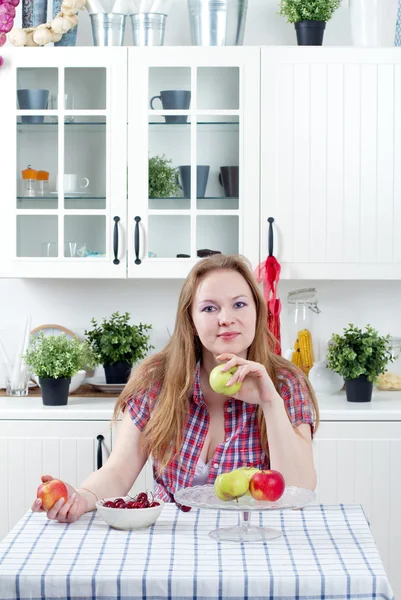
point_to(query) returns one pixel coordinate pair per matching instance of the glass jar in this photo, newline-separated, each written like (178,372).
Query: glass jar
(391,379)
(303,331)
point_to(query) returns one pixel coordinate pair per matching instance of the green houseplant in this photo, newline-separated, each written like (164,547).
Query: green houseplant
(118,345)
(359,356)
(55,359)
(163,178)
(309,17)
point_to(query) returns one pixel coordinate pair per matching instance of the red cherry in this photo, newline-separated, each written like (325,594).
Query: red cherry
(142,497)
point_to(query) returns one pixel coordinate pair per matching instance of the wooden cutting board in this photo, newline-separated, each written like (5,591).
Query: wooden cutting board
(85,391)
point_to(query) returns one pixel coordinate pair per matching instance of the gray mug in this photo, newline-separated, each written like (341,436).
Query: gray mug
(33,100)
(174,100)
(202,175)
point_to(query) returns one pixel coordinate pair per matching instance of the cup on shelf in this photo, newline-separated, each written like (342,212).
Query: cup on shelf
(33,99)
(19,386)
(69,104)
(228,178)
(174,100)
(73,183)
(202,175)
(70,249)
(49,249)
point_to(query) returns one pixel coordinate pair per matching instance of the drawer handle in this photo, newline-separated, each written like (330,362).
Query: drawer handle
(137,259)
(115,241)
(270,220)
(100,439)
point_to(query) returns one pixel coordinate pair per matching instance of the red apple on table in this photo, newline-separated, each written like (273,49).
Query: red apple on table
(51,491)
(267,485)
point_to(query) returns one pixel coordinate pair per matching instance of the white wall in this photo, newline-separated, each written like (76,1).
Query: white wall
(73,303)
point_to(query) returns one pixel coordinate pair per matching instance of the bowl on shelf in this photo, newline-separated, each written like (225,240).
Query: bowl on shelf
(76,381)
(129,518)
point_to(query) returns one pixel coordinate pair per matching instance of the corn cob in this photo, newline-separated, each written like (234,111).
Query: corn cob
(296,355)
(306,348)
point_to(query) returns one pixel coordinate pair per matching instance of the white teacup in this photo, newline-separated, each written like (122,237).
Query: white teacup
(73,183)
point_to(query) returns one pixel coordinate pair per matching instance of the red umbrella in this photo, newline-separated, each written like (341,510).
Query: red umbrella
(268,272)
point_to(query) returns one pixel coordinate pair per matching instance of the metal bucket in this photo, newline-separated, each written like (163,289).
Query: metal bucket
(108,29)
(217,22)
(148,29)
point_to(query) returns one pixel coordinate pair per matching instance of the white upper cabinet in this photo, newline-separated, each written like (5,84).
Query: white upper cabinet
(63,169)
(205,120)
(330,156)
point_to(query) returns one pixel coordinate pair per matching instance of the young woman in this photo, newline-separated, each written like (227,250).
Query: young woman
(193,434)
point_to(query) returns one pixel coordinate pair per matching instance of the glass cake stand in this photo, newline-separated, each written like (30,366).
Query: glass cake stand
(203,496)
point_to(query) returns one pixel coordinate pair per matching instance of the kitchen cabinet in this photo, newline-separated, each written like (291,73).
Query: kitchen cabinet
(330,146)
(65,449)
(74,224)
(94,216)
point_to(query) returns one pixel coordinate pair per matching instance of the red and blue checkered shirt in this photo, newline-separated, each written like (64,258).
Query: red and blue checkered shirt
(242,445)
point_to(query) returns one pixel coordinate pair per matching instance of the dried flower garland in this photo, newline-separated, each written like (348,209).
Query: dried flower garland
(7,16)
(53,31)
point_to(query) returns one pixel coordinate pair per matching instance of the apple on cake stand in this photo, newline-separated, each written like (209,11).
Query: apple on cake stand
(204,496)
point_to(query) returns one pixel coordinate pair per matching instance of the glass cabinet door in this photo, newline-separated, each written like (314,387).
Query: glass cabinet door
(69,207)
(188,128)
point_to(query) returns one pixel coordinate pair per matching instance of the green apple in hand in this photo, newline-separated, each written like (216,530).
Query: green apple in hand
(218,380)
(228,486)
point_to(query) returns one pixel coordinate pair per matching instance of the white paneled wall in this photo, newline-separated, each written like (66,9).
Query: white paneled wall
(331,143)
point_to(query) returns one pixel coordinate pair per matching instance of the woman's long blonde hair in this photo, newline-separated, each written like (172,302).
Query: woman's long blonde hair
(173,369)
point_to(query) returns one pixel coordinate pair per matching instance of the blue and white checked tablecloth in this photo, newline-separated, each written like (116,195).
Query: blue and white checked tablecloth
(324,552)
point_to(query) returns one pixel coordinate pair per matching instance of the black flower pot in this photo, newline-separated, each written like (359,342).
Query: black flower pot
(310,33)
(54,391)
(359,390)
(118,372)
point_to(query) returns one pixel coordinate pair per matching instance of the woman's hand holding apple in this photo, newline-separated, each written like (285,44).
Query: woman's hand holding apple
(64,510)
(256,385)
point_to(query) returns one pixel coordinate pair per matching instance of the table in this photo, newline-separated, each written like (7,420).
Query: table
(326,551)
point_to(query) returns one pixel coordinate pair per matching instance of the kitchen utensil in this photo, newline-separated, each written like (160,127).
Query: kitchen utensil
(217,22)
(174,100)
(148,29)
(108,387)
(108,29)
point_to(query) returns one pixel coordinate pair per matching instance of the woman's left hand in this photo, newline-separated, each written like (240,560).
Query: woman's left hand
(257,387)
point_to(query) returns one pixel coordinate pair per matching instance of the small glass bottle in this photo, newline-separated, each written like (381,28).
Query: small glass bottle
(43,183)
(391,379)
(303,328)
(29,177)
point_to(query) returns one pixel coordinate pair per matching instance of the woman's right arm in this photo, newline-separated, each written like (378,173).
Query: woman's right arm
(115,478)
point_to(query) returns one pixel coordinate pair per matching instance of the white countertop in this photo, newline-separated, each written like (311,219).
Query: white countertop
(385,406)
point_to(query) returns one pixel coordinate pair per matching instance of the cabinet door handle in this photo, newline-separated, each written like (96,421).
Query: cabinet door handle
(100,439)
(115,241)
(270,220)
(137,259)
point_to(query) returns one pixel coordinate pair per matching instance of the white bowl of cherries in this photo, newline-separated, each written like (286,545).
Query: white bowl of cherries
(130,512)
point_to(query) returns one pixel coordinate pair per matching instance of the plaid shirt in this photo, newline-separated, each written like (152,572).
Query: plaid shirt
(242,445)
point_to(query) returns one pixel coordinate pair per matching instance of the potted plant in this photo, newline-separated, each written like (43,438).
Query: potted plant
(359,356)
(54,359)
(118,345)
(309,17)
(163,178)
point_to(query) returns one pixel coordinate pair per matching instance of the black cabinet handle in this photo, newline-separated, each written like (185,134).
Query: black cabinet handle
(137,259)
(100,439)
(115,241)
(270,220)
